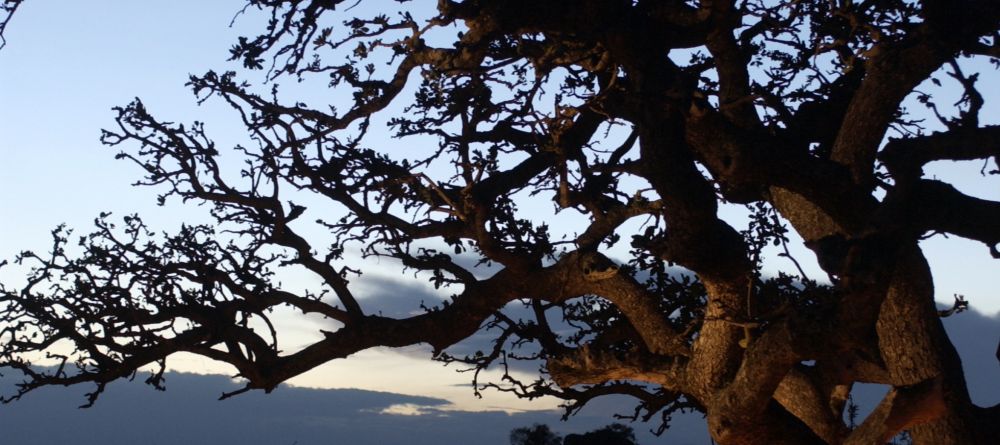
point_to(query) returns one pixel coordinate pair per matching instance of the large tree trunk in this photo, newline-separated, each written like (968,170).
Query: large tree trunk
(913,345)
(916,349)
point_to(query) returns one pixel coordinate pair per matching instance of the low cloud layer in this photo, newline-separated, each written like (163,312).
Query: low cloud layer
(188,412)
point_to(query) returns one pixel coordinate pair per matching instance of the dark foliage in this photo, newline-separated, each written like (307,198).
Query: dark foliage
(614,434)
(536,434)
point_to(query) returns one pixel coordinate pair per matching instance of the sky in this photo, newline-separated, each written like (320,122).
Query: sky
(67,63)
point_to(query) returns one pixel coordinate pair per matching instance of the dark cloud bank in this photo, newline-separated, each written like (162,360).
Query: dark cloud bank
(188,412)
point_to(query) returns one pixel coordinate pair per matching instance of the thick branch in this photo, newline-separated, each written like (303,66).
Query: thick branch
(937,206)
(583,366)
(895,68)
(905,158)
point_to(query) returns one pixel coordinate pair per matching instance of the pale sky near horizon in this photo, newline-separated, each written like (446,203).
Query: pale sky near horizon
(67,63)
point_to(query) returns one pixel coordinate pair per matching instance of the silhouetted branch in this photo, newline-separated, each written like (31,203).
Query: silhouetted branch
(512,118)
(7,10)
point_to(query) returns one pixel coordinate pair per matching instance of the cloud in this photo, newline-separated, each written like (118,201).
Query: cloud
(131,413)
(411,409)
(188,412)
(398,297)
(975,336)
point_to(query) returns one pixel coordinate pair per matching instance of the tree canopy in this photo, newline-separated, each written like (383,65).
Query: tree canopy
(536,434)
(637,120)
(614,434)
(539,434)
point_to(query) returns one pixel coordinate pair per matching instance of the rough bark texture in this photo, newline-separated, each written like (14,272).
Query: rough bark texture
(785,107)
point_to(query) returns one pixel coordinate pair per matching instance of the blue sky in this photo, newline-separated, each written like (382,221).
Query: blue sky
(67,63)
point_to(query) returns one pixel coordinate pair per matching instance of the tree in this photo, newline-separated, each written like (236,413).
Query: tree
(614,434)
(617,111)
(537,434)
